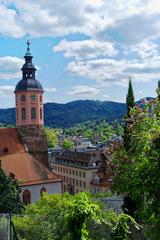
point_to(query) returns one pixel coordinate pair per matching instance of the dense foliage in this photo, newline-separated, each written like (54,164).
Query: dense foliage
(9,194)
(130,98)
(138,167)
(92,129)
(130,104)
(66,217)
(65,115)
(67,144)
(52,138)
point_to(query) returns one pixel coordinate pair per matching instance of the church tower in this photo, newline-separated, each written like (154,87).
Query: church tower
(29,110)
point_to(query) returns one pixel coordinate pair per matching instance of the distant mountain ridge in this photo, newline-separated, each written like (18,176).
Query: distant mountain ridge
(63,115)
(68,114)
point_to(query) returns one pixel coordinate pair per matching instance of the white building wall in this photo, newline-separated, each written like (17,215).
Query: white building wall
(35,190)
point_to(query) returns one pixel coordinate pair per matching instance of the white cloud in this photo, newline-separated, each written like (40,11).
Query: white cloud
(10,67)
(134,24)
(52,89)
(132,30)
(130,20)
(84,91)
(6,91)
(145,49)
(86,49)
(111,71)
(9,22)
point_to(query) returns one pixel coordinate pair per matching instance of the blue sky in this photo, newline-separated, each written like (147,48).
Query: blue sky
(82,49)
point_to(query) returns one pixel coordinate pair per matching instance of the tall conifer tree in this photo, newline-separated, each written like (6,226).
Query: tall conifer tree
(130,104)
(130,98)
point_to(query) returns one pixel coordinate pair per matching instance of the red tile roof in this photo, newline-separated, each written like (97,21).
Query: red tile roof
(9,139)
(22,164)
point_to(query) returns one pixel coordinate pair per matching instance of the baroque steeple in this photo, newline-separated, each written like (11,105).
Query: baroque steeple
(29,81)
(28,69)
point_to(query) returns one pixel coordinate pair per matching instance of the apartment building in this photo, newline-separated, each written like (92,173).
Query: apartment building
(77,169)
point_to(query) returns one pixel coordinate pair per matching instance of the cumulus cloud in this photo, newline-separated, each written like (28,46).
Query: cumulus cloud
(52,89)
(86,49)
(92,18)
(10,67)
(133,24)
(111,71)
(84,91)
(10,26)
(145,49)
(6,91)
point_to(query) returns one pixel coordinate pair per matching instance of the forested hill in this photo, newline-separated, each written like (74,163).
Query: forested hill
(68,114)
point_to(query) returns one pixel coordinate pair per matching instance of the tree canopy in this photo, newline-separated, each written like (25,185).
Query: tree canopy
(67,144)
(138,167)
(70,217)
(52,138)
(9,194)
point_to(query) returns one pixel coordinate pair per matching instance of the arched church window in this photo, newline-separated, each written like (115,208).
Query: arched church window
(26,197)
(33,98)
(23,98)
(30,75)
(33,113)
(40,113)
(40,98)
(42,191)
(23,113)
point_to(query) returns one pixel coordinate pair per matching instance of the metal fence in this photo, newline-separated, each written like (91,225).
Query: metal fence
(5,227)
(25,227)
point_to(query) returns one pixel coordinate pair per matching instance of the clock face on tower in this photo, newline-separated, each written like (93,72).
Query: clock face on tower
(33,98)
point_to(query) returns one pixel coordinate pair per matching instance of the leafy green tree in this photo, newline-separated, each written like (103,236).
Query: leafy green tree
(137,168)
(52,138)
(70,217)
(9,194)
(67,144)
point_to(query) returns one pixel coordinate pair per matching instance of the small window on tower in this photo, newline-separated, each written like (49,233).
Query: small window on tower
(40,113)
(23,98)
(23,113)
(33,98)
(40,98)
(33,113)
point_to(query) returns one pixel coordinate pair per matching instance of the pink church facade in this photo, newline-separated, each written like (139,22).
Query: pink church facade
(29,108)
